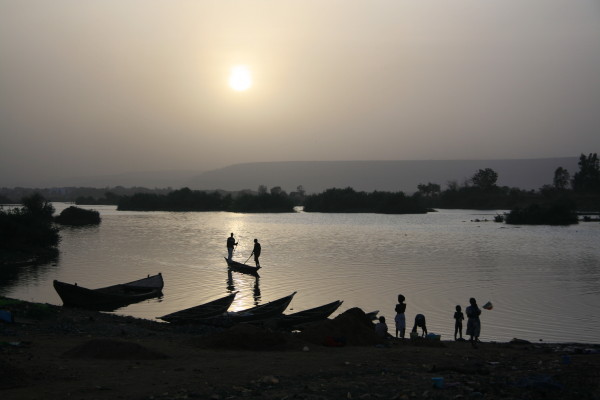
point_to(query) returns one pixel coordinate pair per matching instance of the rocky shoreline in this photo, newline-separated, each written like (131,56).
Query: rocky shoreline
(52,352)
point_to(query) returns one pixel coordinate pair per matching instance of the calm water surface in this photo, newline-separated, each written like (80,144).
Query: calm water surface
(542,280)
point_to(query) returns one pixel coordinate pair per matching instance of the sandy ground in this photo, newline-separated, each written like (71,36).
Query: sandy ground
(60,353)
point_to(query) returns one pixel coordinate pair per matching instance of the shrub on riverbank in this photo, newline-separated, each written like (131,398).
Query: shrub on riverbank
(76,216)
(350,201)
(536,214)
(27,232)
(195,200)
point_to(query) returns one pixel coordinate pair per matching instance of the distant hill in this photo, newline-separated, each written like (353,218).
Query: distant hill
(148,179)
(316,176)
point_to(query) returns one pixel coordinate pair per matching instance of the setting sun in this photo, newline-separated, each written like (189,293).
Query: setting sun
(240,78)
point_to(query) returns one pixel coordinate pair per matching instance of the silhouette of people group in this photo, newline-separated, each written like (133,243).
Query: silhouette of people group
(473,323)
(232,244)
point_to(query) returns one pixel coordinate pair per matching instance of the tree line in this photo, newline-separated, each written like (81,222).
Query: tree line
(582,191)
(480,191)
(195,200)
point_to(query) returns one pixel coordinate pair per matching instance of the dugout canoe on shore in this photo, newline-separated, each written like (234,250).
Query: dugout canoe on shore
(197,313)
(111,297)
(257,314)
(299,318)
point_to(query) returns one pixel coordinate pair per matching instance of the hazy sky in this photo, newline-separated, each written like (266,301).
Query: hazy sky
(109,86)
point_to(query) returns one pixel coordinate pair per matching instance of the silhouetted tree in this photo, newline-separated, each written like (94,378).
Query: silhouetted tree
(276,191)
(587,179)
(561,178)
(485,179)
(430,189)
(262,189)
(452,186)
(298,196)
(38,206)
(28,231)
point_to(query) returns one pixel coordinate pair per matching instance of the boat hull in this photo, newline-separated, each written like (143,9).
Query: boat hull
(243,268)
(304,317)
(258,314)
(198,313)
(111,297)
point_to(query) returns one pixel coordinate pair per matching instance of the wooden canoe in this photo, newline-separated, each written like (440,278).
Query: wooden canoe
(111,297)
(243,268)
(307,316)
(259,313)
(207,310)
(372,315)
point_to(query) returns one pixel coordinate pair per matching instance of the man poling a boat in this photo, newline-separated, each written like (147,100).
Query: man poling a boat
(231,243)
(256,251)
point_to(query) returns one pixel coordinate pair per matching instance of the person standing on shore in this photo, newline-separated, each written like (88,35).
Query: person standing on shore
(231,243)
(458,319)
(400,318)
(473,323)
(256,251)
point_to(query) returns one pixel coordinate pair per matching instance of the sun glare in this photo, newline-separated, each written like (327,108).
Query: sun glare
(240,78)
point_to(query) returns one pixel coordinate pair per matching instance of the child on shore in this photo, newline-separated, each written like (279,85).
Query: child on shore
(381,328)
(458,319)
(400,318)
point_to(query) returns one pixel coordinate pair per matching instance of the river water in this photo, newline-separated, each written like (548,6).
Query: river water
(543,281)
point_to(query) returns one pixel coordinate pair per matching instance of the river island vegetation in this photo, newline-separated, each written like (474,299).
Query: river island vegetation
(350,201)
(536,214)
(196,200)
(27,233)
(75,216)
(579,192)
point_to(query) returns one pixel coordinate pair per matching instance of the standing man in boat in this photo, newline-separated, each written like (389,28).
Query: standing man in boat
(256,252)
(231,243)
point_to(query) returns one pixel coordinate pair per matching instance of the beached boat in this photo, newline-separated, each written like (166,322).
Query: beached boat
(243,268)
(111,297)
(372,315)
(256,314)
(193,314)
(307,316)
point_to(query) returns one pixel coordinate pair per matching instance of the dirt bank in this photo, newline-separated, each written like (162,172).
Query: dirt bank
(59,353)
